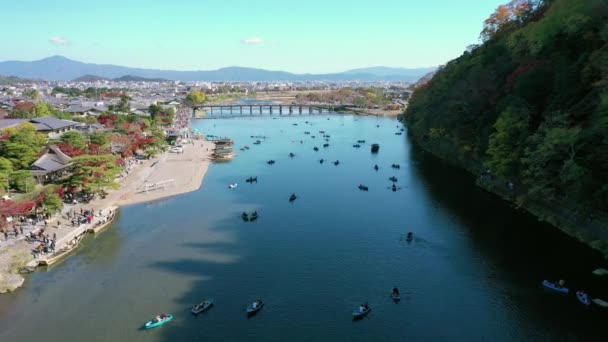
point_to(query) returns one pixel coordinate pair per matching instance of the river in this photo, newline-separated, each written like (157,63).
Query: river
(472,273)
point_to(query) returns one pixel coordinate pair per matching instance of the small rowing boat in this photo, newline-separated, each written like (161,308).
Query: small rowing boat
(160,320)
(204,305)
(555,287)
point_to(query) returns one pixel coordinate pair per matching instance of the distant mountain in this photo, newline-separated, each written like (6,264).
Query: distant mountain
(90,78)
(387,71)
(131,78)
(60,68)
(10,80)
(126,78)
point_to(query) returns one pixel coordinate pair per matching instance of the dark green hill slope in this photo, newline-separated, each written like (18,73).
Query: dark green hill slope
(527,111)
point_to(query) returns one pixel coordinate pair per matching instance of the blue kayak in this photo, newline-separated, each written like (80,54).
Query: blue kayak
(154,324)
(583,298)
(555,287)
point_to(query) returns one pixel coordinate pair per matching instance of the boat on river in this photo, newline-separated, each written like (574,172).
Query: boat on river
(600,302)
(164,318)
(555,287)
(255,307)
(583,298)
(233,185)
(203,306)
(360,314)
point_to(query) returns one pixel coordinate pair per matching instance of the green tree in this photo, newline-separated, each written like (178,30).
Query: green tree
(73,138)
(22,181)
(552,164)
(52,203)
(32,94)
(507,142)
(5,170)
(154,111)
(100,138)
(95,173)
(44,109)
(196,97)
(24,146)
(124,105)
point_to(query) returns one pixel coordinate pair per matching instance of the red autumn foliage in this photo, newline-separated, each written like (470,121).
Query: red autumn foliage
(25,106)
(520,71)
(70,150)
(108,120)
(12,208)
(97,149)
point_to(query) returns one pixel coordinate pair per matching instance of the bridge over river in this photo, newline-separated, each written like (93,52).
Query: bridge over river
(240,110)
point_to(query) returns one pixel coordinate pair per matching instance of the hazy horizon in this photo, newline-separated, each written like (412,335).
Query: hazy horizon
(313,37)
(222,67)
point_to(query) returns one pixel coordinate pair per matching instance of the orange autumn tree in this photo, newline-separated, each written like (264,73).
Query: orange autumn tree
(509,16)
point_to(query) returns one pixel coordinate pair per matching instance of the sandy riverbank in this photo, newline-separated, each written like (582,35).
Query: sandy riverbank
(167,175)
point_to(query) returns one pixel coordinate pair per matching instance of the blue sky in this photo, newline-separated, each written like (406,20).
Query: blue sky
(298,36)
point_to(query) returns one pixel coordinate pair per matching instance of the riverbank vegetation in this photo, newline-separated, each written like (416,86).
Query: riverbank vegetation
(362,97)
(527,110)
(93,158)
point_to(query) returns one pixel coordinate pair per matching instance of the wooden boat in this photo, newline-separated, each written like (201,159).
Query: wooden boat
(233,185)
(251,309)
(203,306)
(153,323)
(254,216)
(375,148)
(61,253)
(555,287)
(395,296)
(292,197)
(360,314)
(245,216)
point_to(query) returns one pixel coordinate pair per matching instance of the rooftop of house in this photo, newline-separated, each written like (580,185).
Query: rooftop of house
(52,160)
(45,123)
(50,123)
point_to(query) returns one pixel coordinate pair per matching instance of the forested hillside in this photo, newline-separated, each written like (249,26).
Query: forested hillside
(527,111)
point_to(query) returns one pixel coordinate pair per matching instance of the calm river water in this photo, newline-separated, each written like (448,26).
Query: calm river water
(472,273)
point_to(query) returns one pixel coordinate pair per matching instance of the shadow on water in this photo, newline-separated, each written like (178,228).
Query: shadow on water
(519,253)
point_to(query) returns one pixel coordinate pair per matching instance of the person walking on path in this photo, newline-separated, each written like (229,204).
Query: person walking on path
(5,235)
(21,229)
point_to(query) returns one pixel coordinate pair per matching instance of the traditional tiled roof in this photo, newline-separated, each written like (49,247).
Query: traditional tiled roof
(52,160)
(50,123)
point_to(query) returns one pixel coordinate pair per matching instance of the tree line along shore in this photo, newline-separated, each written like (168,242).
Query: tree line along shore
(526,111)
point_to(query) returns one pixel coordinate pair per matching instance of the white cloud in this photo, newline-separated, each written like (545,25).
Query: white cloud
(252,41)
(59,41)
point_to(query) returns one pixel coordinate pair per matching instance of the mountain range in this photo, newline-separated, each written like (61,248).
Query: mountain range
(59,68)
